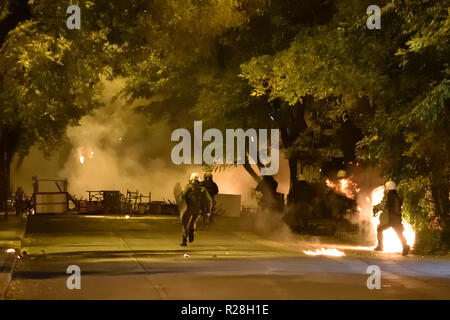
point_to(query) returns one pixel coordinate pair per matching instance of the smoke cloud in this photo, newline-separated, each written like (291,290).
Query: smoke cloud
(116,148)
(367,180)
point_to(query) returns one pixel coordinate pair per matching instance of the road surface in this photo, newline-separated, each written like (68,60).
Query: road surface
(141,258)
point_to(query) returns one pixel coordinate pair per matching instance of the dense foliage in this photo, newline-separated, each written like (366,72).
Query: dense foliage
(304,66)
(401,71)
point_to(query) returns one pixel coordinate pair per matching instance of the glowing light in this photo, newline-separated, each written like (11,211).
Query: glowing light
(127,217)
(377,195)
(10,250)
(345,186)
(82,159)
(91,155)
(186,255)
(391,243)
(325,252)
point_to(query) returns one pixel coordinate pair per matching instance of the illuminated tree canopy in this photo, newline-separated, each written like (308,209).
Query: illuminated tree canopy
(289,64)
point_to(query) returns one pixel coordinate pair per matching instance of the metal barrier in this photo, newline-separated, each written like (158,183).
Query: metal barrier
(50,196)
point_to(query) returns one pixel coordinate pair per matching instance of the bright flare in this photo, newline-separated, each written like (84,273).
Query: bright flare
(11,250)
(391,243)
(325,252)
(82,159)
(345,187)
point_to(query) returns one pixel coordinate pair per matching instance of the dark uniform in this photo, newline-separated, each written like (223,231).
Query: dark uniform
(391,217)
(198,202)
(268,188)
(19,203)
(213,190)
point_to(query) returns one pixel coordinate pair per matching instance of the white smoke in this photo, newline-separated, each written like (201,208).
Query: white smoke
(125,150)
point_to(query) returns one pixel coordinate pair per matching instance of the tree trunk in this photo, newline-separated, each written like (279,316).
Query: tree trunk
(250,171)
(441,203)
(5,162)
(292,177)
(12,12)
(440,193)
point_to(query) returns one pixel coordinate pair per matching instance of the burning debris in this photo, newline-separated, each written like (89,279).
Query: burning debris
(344,186)
(325,252)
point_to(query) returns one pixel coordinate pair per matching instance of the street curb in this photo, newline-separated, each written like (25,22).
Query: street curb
(10,270)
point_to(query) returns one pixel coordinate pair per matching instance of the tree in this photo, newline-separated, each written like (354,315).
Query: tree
(220,96)
(304,82)
(393,81)
(49,78)
(411,125)
(200,79)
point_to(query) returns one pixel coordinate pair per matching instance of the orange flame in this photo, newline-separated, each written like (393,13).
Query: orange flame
(345,186)
(325,252)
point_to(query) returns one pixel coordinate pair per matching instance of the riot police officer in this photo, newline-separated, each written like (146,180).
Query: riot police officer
(212,188)
(198,202)
(19,203)
(391,216)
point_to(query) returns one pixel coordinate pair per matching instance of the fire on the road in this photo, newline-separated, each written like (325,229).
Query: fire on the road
(350,189)
(325,252)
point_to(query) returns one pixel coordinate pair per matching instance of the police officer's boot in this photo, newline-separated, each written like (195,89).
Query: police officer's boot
(405,250)
(184,242)
(380,240)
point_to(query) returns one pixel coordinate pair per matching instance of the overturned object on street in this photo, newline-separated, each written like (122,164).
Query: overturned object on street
(50,196)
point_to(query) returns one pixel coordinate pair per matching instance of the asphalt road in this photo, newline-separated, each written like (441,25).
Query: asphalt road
(140,258)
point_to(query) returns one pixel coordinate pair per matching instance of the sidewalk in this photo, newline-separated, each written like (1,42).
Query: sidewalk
(11,235)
